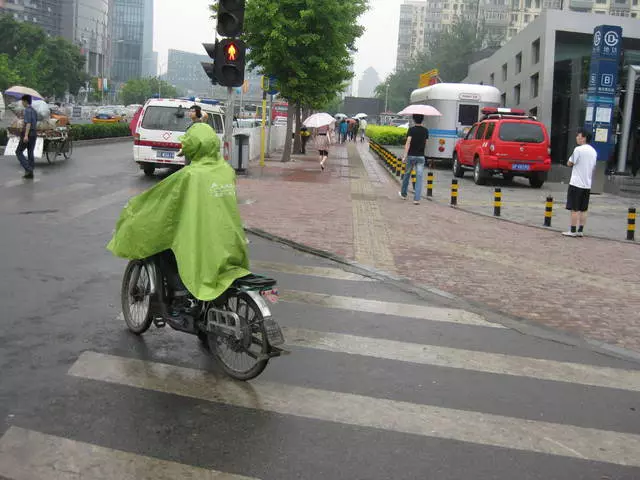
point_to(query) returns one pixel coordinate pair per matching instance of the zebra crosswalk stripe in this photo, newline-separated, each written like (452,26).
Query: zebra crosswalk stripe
(436,314)
(540,369)
(29,455)
(358,410)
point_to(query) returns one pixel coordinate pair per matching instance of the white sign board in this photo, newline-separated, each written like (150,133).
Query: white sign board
(13,142)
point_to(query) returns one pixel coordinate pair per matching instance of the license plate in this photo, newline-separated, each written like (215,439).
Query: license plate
(270,295)
(167,155)
(520,166)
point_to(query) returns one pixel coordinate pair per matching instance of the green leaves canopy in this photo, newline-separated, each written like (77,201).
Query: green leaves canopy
(306,44)
(53,66)
(139,90)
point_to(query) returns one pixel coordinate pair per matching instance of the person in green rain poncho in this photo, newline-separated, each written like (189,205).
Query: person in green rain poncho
(194,214)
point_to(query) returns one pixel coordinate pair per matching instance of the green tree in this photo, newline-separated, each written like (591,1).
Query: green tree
(9,76)
(307,45)
(449,50)
(53,66)
(139,90)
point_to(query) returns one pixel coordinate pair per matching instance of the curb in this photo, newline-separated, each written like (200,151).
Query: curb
(519,324)
(101,141)
(513,222)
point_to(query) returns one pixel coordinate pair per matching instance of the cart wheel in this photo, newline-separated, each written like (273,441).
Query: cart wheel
(67,151)
(52,153)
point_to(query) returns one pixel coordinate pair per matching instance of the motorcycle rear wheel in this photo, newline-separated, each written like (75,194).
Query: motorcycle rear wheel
(136,298)
(237,358)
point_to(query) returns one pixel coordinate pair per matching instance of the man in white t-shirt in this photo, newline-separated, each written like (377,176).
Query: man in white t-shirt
(583,163)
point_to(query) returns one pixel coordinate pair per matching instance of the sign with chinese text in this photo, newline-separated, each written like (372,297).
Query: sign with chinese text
(606,53)
(429,78)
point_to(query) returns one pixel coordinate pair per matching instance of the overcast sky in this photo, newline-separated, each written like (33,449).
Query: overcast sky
(186,28)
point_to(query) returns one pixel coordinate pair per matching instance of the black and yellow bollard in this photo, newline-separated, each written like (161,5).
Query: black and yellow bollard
(548,212)
(631,224)
(497,202)
(454,192)
(398,166)
(403,169)
(429,184)
(413,179)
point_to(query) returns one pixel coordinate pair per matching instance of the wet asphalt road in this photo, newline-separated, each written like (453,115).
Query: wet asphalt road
(381,383)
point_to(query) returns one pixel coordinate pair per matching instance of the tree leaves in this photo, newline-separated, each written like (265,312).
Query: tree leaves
(52,66)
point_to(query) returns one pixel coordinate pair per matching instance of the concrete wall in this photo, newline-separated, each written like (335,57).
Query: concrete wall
(278,135)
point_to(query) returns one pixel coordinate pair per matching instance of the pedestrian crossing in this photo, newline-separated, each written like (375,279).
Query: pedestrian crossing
(276,401)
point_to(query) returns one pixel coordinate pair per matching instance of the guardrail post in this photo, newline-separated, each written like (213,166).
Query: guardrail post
(454,192)
(497,202)
(548,211)
(429,184)
(631,224)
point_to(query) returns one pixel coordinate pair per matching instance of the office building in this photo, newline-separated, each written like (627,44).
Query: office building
(545,71)
(132,40)
(502,18)
(368,83)
(44,13)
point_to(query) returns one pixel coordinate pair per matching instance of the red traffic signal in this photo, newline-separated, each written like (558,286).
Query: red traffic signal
(229,62)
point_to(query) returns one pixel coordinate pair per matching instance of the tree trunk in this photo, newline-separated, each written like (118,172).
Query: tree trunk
(297,142)
(286,154)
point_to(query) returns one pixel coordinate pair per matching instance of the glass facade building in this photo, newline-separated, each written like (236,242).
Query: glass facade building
(132,39)
(44,13)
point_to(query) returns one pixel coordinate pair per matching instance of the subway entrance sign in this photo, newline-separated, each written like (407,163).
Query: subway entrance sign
(606,53)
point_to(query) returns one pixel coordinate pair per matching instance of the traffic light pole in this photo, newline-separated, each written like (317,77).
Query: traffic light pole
(228,125)
(264,121)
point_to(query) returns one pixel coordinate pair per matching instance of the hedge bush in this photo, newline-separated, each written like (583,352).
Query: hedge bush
(88,132)
(100,130)
(387,135)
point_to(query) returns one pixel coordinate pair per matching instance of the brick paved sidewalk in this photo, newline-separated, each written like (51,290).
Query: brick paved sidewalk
(589,287)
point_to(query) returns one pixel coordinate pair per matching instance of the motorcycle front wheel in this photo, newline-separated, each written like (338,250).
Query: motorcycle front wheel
(246,358)
(136,297)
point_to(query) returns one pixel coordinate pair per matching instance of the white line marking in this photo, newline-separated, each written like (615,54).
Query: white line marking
(436,314)
(30,455)
(325,272)
(359,410)
(498,363)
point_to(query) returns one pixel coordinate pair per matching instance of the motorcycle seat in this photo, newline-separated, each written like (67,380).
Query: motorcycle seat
(254,282)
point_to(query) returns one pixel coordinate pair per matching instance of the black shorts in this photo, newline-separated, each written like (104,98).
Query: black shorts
(578,199)
(324,153)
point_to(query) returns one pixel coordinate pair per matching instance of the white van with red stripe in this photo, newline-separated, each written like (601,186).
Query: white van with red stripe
(162,122)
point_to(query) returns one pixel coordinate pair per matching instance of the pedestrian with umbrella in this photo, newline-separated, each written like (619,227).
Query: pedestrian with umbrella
(322,123)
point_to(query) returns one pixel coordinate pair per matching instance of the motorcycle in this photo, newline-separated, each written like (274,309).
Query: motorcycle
(237,327)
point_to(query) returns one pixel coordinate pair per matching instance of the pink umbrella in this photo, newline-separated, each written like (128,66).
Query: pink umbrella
(426,110)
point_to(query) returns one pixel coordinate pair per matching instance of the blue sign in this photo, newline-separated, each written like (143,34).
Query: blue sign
(273,88)
(603,82)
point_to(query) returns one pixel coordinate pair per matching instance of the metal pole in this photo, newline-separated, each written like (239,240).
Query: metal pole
(626,117)
(262,130)
(270,124)
(228,125)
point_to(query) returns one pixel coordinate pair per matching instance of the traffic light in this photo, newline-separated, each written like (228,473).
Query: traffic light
(230,17)
(209,68)
(229,62)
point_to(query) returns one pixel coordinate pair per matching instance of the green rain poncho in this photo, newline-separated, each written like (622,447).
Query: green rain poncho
(193,212)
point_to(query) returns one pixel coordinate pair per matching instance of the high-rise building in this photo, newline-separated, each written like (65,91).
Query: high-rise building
(184,71)
(132,40)
(368,83)
(45,13)
(86,24)
(503,18)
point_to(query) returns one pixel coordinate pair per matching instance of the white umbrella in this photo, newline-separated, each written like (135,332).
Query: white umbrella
(318,120)
(340,115)
(426,110)
(361,115)
(18,91)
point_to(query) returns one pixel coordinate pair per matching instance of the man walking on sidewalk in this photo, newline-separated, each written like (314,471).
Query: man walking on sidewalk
(583,163)
(27,138)
(414,157)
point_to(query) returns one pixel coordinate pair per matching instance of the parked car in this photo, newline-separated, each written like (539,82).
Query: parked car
(508,142)
(107,115)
